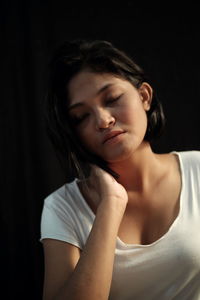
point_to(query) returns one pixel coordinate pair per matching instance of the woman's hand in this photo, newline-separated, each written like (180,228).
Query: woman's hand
(74,269)
(103,186)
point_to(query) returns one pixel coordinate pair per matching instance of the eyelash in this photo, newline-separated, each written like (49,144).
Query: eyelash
(112,100)
(78,120)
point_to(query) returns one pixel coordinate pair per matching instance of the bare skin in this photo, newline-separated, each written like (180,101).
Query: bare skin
(138,208)
(152,207)
(73,275)
(146,176)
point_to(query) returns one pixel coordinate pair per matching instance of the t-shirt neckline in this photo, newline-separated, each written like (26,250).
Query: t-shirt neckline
(120,243)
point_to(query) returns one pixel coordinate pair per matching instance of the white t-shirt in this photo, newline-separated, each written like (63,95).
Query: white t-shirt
(169,268)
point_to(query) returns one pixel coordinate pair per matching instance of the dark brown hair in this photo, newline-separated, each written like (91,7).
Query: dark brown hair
(100,57)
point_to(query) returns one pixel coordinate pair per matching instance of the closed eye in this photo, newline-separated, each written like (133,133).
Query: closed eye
(79,119)
(112,100)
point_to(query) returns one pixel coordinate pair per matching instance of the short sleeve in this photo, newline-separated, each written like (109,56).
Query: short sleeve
(58,224)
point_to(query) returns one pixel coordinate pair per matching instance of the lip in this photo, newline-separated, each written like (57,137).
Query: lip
(111,135)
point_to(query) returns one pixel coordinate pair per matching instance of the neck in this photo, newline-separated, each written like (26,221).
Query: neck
(139,170)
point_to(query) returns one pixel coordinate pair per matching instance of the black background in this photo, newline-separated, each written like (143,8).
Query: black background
(163,38)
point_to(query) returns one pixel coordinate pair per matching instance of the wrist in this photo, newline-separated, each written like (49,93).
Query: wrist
(113,205)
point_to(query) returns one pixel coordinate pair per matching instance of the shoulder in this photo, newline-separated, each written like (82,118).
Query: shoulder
(63,197)
(189,162)
(182,159)
(60,218)
(189,157)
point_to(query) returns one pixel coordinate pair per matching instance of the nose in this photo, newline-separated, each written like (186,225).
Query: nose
(104,119)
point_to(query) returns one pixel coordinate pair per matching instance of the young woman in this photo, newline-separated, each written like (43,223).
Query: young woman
(126,225)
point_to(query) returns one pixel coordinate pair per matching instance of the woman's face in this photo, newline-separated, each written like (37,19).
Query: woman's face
(109,113)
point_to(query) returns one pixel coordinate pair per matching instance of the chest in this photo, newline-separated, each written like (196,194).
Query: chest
(148,219)
(173,262)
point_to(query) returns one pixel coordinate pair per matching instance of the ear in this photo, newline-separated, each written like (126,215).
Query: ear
(146,94)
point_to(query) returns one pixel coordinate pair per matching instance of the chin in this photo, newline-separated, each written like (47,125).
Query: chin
(123,152)
(119,155)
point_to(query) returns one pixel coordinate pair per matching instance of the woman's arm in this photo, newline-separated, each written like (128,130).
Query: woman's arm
(89,275)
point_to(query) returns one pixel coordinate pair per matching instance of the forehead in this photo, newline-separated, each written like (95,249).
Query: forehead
(86,84)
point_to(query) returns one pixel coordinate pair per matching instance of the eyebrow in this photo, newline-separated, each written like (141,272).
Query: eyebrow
(102,89)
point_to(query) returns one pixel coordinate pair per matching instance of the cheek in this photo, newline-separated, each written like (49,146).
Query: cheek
(82,137)
(87,138)
(133,113)
(127,115)
(135,118)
